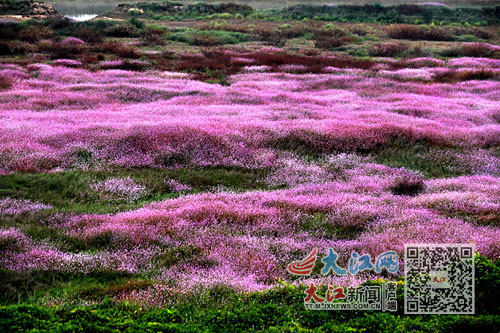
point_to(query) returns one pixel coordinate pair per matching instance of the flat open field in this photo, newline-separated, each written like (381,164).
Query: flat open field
(161,167)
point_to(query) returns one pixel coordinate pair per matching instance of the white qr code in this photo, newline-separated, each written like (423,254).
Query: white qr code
(439,278)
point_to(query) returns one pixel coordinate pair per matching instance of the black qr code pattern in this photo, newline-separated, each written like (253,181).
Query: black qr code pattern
(439,278)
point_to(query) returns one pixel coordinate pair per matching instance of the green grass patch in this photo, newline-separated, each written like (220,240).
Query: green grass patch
(319,223)
(208,37)
(274,311)
(34,286)
(417,156)
(65,190)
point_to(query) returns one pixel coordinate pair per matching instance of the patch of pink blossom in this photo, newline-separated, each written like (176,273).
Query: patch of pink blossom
(242,60)
(292,68)
(14,73)
(256,69)
(110,64)
(425,62)
(13,240)
(73,41)
(23,255)
(118,189)
(406,74)
(19,206)
(293,172)
(174,186)
(67,63)
(474,62)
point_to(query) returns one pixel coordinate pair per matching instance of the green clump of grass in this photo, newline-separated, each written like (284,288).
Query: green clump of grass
(65,191)
(33,286)
(467,38)
(318,222)
(205,37)
(415,156)
(184,254)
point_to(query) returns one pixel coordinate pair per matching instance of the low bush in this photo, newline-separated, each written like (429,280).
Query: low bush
(34,33)
(59,24)
(416,52)
(121,50)
(136,23)
(359,30)
(207,9)
(22,48)
(480,50)
(473,31)
(5,48)
(466,38)
(408,186)
(8,32)
(122,30)
(476,50)
(89,35)
(476,75)
(330,30)
(90,59)
(208,38)
(6,82)
(463,75)
(125,51)
(46,45)
(277,39)
(205,39)
(331,37)
(330,43)
(487,284)
(153,36)
(296,30)
(134,65)
(415,32)
(388,49)
(213,66)
(68,50)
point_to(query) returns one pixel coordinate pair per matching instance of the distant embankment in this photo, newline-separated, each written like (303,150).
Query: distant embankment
(423,13)
(27,8)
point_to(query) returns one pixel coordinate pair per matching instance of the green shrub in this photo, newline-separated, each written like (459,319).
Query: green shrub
(122,30)
(208,38)
(466,38)
(154,36)
(388,49)
(34,33)
(136,23)
(487,285)
(415,32)
(8,30)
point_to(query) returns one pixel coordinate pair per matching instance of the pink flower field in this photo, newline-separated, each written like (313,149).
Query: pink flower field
(317,136)
(158,120)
